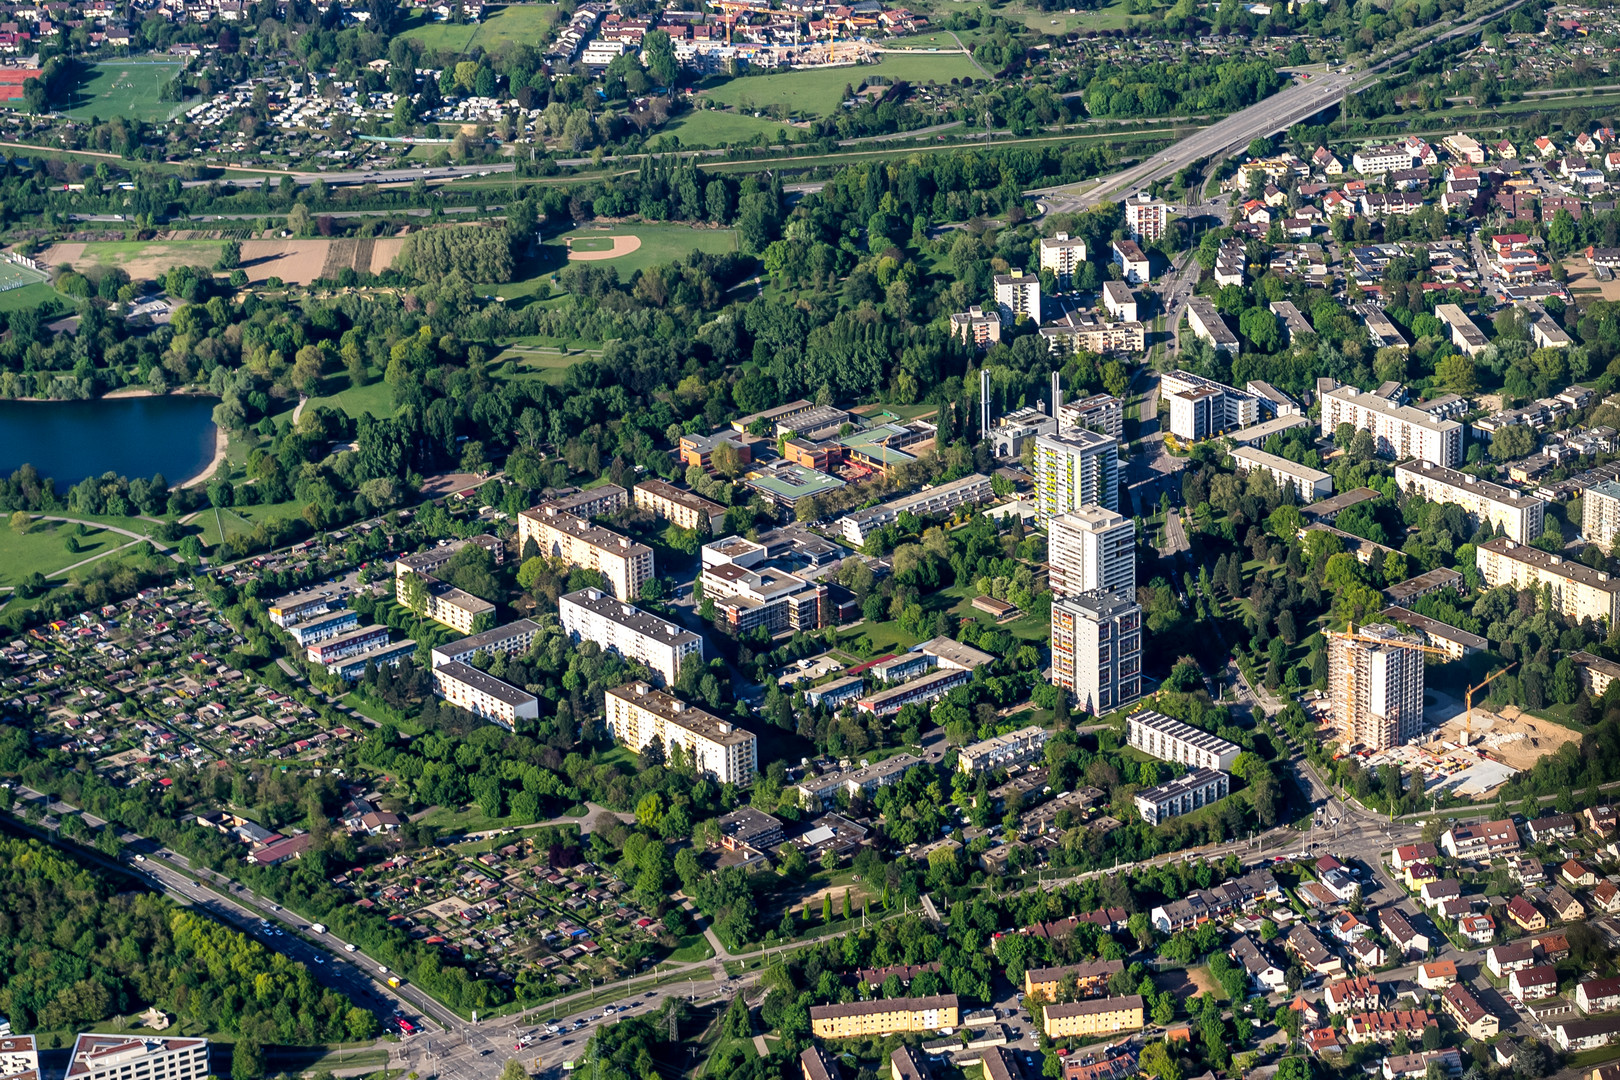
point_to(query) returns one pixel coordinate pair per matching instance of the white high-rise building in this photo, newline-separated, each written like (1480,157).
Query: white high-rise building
(1073,469)
(593,615)
(98,1056)
(1398,431)
(1091,548)
(1376,688)
(637,714)
(1063,255)
(1018,294)
(1097,649)
(1600,514)
(1146,217)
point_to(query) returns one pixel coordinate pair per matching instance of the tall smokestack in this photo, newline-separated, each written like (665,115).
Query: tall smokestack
(1057,393)
(984,403)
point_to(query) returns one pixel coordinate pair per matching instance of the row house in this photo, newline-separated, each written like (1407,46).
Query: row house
(1361,994)
(1384,1025)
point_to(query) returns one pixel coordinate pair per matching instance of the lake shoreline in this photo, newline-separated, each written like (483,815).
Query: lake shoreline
(221,444)
(134,434)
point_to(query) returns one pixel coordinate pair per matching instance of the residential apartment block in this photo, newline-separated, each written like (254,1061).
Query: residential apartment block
(1095,1017)
(1578,591)
(940,499)
(593,615)
(976,327)
(1307,483)
(1376,688)
(1002,751)
(1097,649)
(1182,795)
(1102,413)
(1090,979)
(1481,842)
(513,639)
(484,695)
(1228,410)
(1075,468)
(1459,1002)
(884,1017)
(1207,323)
(1520,517)
(98,1056)
(1600,514)
(626,564)
(1146,218)
(686,509)
(1091,548)
(1398,431)
(637,714)
(18,1054)
(1018,295)
(1063,255)
(1171,740)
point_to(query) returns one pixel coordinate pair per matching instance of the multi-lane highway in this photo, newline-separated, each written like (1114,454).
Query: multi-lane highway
(1292,105)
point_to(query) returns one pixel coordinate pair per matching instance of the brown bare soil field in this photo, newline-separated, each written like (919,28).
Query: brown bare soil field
(303,261)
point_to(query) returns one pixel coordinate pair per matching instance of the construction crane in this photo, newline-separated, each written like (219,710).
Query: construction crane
(1397,643)
(1468,702)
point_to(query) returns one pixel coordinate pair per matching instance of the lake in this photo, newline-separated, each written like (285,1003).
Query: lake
(131,436)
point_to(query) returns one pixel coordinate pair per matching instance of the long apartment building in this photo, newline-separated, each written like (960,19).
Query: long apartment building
(1398,431)
(98,1056)
(456,608)
(484,695)
(1376,687)
(1102,413)
(686,509)
(593,615)
(1170,740)
(388,654)
(1207,324)
(939,499)
(290,610)
(513,639)
(1090,979)
(637,714)
(930,687)
(1094,1017)
(559,534)
(1075,468)
(1091,548)
(1308,484)
(1520,517)
(1578,591)
(351,643)
(19,1055)
(1182,795)
(1002,751)
(750,591)
(1097,649)
(884,1017)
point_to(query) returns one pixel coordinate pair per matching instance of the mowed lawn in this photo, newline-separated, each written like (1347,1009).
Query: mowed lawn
(128,88)
(375,397)
(659,244)
(711,127)
(819,91)
(550,368)
(528,24)
(1109,16)
(242,519)
(27,297)
(43,548)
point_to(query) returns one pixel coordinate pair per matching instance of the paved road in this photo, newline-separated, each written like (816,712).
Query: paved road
(363,176)
(1292,105)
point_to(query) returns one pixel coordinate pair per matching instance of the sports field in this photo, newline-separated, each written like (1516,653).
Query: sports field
(711,127)
(1111,15)
(528,24)
(127,88)
(29,296)
(819,91)
(659,244)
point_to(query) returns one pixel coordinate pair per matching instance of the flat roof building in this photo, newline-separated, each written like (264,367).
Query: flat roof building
(1464,334)
(1398,431)
(513,639)
(1171,740)
(1075,468)
(1002,751)
(1578,591)
(1182,795)
(637,714)
(484,695)
(686,509)
(1520,517)
(1063,255)
(99,1056)
(625,564)
(1207,324)
(1096,648)
(944,498)
(1307,483)
(1091,548)
(593,615)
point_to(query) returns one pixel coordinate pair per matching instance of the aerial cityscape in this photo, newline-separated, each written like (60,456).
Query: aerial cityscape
(801,541)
